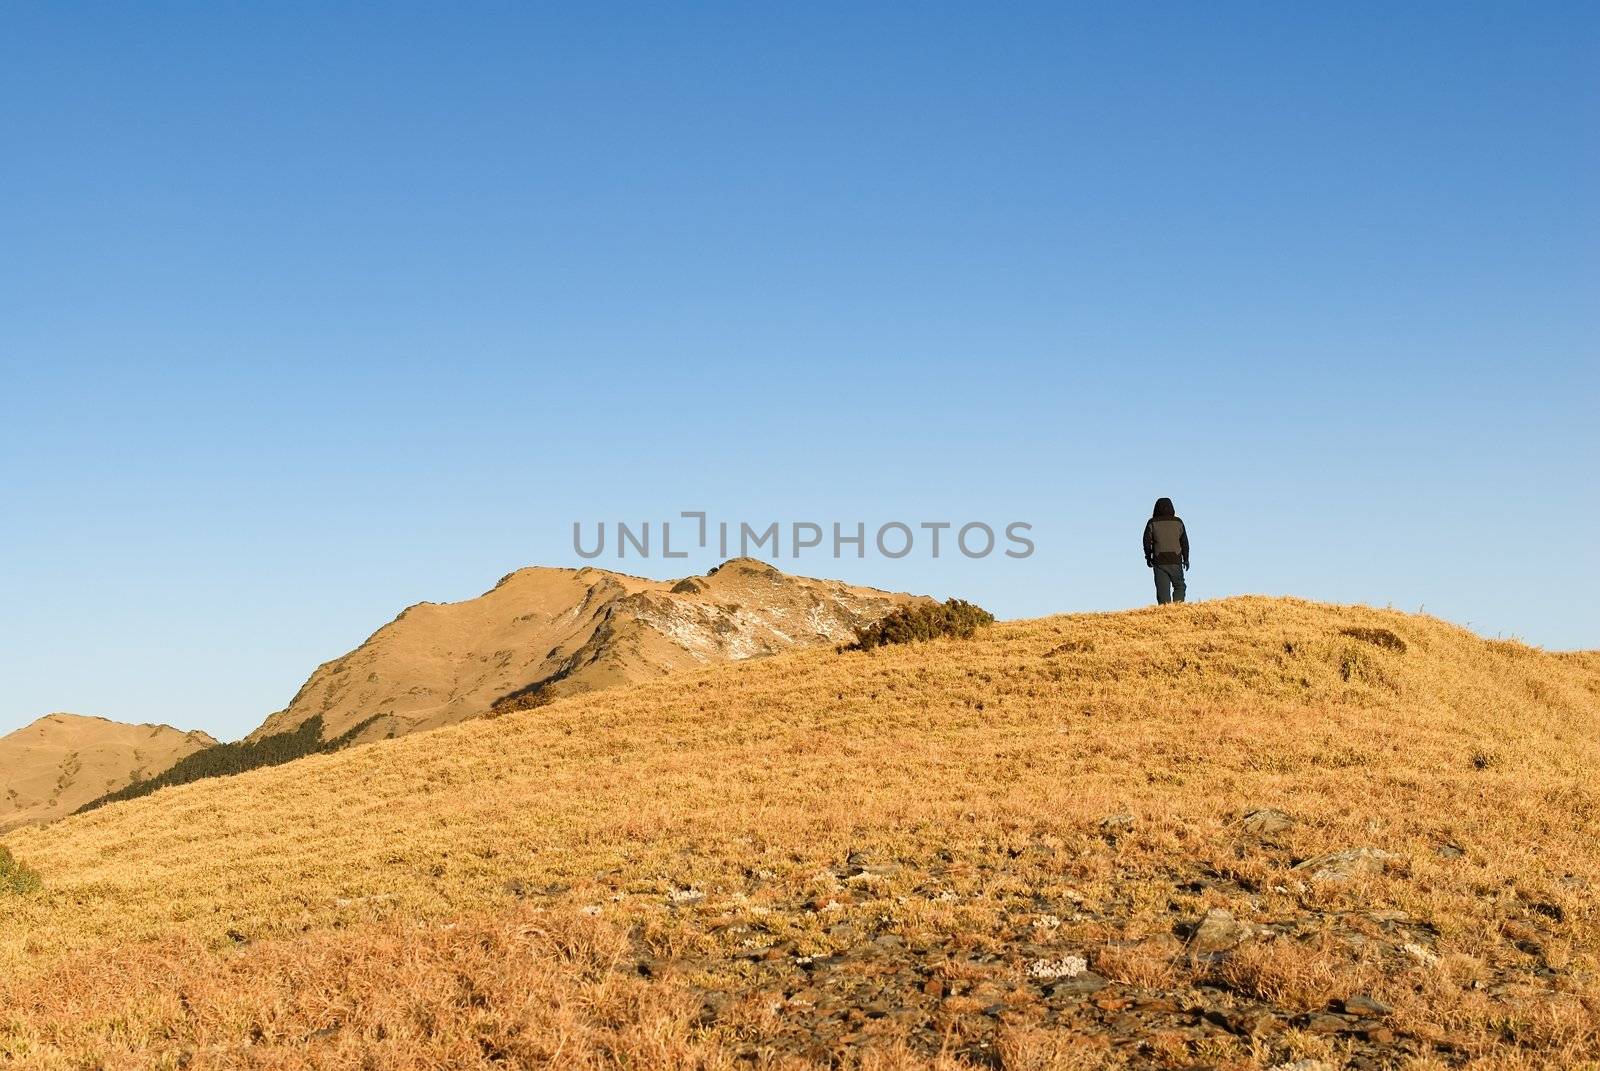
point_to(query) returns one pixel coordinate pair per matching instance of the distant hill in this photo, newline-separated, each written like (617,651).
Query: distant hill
(544,633)
(52,766)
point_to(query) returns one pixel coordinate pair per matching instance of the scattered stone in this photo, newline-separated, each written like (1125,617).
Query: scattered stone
(1366,1006)
(875,982)
(1251,1022)
(590,910)
(1351,863)
(1425,956)
(1324,1023)
(1307,1064)
(1162,945)
(1069,966)
(1116,823)
(1449,850)
(1155,1006)
(1081,984)
(1219,931)
(1266,822)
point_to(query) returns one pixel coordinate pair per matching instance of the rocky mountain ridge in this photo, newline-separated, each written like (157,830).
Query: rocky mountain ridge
(544,633)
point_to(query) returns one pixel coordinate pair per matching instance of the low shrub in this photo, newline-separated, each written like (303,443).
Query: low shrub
(538,693)
(1378,637)
(923,621)
(14,877)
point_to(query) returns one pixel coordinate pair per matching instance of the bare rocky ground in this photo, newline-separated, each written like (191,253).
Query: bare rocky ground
(831,976)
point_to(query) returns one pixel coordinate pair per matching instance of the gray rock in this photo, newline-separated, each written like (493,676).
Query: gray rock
(1324,1023)
(1250,1022)
(1266,822)
(1117,823)
(1366,1006)
(1351,863)
(1218,932)
(1078,985)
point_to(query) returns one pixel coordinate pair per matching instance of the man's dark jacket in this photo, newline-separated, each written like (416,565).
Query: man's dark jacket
(1166,542)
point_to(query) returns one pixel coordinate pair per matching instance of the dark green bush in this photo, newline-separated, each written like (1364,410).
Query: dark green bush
(14,877)
(923,621)
(224,760)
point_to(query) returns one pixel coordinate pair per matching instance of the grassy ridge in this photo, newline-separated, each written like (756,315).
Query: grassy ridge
(722,865)
(226,760)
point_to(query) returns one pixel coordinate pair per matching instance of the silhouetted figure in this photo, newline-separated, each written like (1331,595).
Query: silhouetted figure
(1166,550)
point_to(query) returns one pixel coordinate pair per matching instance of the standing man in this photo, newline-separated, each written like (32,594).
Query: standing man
(1166,550)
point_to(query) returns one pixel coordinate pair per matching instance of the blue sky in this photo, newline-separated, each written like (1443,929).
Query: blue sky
(309,312)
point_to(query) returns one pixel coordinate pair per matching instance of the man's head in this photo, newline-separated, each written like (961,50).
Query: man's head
(1163,509)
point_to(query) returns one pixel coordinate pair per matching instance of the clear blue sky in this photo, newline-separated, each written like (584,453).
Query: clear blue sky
(308,312)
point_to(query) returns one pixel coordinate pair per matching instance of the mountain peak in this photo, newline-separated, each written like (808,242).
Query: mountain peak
(542,633)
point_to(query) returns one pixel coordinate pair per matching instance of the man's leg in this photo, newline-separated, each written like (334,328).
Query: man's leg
(1163,585)
(1179,588)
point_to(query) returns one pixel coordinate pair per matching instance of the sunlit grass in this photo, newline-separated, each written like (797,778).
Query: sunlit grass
(481,895)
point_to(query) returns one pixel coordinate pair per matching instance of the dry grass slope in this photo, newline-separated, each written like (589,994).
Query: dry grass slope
(1023,850)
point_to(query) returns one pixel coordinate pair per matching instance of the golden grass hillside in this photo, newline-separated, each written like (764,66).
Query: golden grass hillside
(1253,833)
